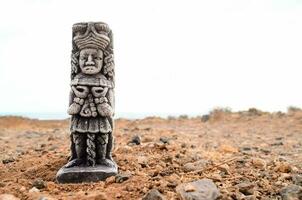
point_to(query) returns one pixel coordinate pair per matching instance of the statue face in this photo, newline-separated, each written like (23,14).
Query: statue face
(91,61)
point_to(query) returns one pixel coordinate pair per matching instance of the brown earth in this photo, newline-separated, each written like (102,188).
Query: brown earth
(260,149)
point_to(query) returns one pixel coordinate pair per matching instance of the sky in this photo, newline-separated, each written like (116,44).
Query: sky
(170,56)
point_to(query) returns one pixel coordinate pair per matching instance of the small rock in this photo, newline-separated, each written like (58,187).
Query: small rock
(283,167)
(259,163)
(245,149)
(224,168)
(205,118)
(164,140)
(153,194)
(204,189)
(8,197)
(297,179)
(188,167)
(136,139)
(34,189)
(8,160)
(143,161)
(39,183)
(119,178)
(246,188)
(291,192)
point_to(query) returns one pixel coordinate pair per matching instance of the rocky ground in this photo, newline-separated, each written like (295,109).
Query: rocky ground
(243,155)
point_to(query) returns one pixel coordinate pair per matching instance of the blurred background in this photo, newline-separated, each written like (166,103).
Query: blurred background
(172,57)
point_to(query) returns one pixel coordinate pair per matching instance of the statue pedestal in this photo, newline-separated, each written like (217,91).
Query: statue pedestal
(85,174)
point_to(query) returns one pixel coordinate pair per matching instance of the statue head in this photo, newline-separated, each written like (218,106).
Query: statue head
(92,49)
(91,60)
(91,40)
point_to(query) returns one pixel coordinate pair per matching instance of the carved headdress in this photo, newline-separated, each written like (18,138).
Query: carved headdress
(91,35)
(95,35)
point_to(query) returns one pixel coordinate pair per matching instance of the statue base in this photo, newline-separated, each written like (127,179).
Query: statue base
(85,174)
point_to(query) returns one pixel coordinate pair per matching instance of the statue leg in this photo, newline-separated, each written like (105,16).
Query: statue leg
(79,142)
(101,148)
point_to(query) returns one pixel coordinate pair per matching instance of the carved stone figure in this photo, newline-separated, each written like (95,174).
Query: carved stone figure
(91,105)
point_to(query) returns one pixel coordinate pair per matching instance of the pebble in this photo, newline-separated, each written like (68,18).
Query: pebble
(143,161)
(119,178)
(291,192)
(136,139)
(8,160)
(199,165)
(39,183)
(203,189)
(164,140)
(153,194)
(246,188)
(8,197)
(259,163)
(205,118)
(224,168)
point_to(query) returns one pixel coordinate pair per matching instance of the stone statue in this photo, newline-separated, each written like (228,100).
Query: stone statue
(91,105)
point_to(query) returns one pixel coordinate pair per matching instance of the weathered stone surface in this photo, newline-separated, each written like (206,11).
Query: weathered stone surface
(91,105)
(203,189)
(85,174)
(153,194)
(291,192)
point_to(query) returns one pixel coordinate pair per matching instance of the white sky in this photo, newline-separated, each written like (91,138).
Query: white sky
(171,56)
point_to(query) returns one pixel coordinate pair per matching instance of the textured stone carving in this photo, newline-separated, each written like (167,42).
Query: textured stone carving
(91,105)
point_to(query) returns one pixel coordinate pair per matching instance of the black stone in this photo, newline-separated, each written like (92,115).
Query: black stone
(122,177)
(136,140)
(164,140)
(85,174)
(8,160)
(153,194)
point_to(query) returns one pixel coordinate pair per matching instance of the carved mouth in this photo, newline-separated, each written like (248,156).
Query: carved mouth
(89,67)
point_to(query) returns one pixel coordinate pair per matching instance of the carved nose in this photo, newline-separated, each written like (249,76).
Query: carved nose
(89,60)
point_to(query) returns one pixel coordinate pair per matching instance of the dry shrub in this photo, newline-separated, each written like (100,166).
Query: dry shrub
(219,113)
(292,109)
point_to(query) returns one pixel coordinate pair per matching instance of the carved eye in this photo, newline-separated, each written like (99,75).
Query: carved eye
(80,89)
